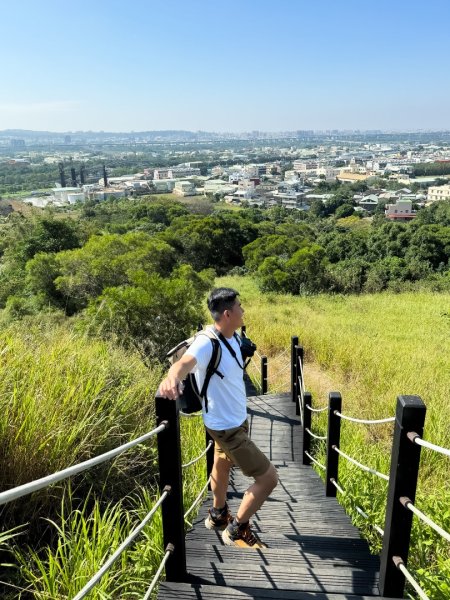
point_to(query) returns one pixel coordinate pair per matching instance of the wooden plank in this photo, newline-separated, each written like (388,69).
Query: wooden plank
(186,591)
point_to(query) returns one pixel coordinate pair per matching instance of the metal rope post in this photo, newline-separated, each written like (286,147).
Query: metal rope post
(405,458)
(169,456)
(333,439)
(209,457)
(307,414)
(294,342)
(263,374)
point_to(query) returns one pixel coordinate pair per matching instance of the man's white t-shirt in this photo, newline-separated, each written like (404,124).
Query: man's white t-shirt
(227,401)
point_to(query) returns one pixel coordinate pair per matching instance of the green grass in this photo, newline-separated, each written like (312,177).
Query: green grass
(65,398)
(371,348)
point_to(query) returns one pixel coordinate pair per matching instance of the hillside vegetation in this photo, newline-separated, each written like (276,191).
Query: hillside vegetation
(91,300)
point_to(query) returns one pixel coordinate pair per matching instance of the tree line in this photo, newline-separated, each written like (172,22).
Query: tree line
(136,270)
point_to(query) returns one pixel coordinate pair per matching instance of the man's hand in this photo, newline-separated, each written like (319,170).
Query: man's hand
(170,387)
(171,384)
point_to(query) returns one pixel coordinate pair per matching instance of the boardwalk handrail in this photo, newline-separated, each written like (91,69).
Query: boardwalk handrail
(358,509)
(408,430)
(365,421)
(407,503)
(198,498)
(43,482)
(169,550)
(194,460)
(123,546)
(416,439)
(360,465)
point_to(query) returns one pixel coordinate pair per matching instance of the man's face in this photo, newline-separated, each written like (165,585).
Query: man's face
(236,314)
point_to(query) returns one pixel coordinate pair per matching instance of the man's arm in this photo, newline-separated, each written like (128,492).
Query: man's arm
(177,372)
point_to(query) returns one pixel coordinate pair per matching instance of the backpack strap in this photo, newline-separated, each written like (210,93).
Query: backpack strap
(227,345)
(213,364)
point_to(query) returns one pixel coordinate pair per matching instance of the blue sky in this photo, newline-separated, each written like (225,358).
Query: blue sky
(225,66)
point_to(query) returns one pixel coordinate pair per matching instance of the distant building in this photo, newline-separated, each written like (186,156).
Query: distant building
(181,172)
(347,177)
(436,193)
(19,162)
(400,211)
(369,202)
(184,188)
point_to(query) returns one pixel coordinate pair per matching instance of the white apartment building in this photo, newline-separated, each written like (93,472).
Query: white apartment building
(307,166)
(441,192)
(400,211)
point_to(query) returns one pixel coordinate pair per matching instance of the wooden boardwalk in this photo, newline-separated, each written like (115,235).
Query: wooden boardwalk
(314,552)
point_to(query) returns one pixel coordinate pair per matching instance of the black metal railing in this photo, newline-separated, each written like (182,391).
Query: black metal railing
(402,479)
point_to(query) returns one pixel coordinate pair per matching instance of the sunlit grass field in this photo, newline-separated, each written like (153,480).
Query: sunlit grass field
(371,348)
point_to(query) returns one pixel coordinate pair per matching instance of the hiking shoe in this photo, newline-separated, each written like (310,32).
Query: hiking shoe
(242,536)
(218,519)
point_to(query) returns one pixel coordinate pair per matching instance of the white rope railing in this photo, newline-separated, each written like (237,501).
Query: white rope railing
(301,368)
(416,439)
(43,482)
(316,410)
(407,503)
(278,373)
(170,548)
(365,421)
(255,367)
(256,353)
(358,509)
(199,497)
(194,460)
(302,394)
(318,437)
(360,465)
(315,461)
(123,546)
(398,562)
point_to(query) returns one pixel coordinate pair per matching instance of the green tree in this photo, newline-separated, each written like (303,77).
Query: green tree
(110,261)
(153,313)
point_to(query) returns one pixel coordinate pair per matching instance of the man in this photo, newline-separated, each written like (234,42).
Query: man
(226,421)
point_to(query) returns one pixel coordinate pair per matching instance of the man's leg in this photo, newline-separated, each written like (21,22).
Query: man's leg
(257,494)
(220,476)
(219,515)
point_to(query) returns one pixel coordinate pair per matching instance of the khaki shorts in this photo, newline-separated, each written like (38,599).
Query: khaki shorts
(235,445)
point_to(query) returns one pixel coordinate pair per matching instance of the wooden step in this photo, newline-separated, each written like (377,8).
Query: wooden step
(186,591)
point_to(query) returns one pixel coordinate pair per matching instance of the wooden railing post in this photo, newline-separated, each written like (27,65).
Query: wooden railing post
(307,399)
(405,458)
(263,374)
(209,457)
(294,342)
(243,331)
(333,439)
(169,456)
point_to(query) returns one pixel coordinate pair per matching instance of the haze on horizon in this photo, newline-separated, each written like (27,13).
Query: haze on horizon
(231,67)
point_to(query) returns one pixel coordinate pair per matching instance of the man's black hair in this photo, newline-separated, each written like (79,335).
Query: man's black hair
(220,300)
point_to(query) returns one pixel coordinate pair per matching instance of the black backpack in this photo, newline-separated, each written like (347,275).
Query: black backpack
(191,397)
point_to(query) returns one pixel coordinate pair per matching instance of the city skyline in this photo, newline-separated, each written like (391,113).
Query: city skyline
(234,68)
